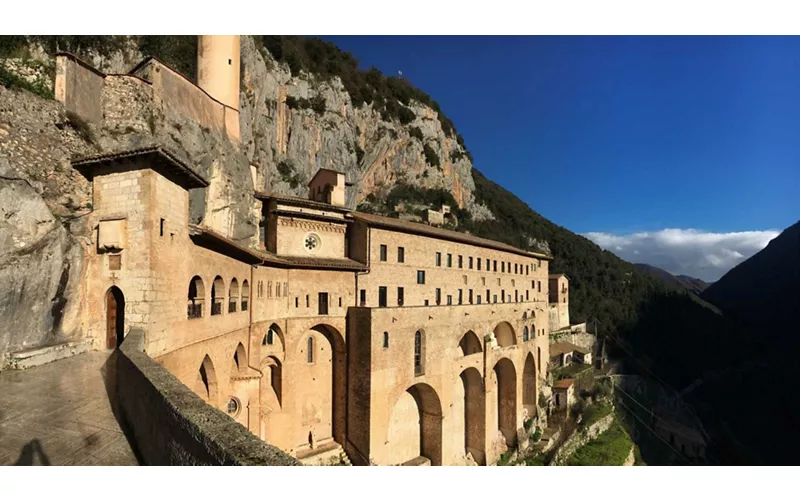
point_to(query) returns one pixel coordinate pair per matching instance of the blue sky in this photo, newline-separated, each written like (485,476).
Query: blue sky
(621,135)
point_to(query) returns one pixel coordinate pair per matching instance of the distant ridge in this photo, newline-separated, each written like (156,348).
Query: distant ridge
(693,285)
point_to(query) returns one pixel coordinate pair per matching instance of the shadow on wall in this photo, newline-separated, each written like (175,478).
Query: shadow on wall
(30,452)
(109,374)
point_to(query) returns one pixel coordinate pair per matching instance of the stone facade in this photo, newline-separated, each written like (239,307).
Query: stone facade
(398,342)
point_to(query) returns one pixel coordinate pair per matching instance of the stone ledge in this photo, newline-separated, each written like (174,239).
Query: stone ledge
(171,425)
(38,356)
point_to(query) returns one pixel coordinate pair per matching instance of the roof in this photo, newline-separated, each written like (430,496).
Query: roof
(162,160)
(81,62)
(556,276)
(440,233)
(303,202)
(565,347)
(564,384)
(324,170)
(212,240)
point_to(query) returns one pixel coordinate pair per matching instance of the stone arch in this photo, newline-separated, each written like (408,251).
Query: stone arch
(273,369)
(245,295)
(470,344)
(196,297)
(239,366)
(274,337)
(217,295)
(529,389)
(206,382)
(415,428)
(115,317)
(506,376)
(474,415)
(505,335)
(323,398)
(233,296)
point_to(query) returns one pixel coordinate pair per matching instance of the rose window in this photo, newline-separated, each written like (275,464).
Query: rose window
(312,242)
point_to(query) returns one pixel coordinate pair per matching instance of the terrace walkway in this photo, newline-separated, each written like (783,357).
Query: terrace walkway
(61,414)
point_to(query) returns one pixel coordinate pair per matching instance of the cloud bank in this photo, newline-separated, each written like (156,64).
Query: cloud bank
(695,253)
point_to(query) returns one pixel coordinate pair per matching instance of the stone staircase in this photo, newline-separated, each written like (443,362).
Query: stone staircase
(550,437)
(330,453)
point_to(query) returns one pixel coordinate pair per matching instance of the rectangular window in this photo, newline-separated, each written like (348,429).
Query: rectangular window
(516,271)
(499,281)
(495,266)
(420,277)
(533,284)
(479,299)
(297,301)
(400,295)
(503,295)
(382,296)
(516,296)
(161,227)
(438,259)
(479,264)
(502,267)
(460,261)
(540,286)
(483,281)
(488,295)
(527,295)
(277,288)
(323,303)
(460,296)
(449,260)
(285,288)
(383,253)
(488,266)
(449,300)
(438,296)
(469,262)
(401,254)
(340,302)
(495,298)
(308,301)
(362,300)
(527,270)
(470,295)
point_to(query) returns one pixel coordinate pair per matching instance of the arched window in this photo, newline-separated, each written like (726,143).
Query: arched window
(245,295)
(310,349)
(217,296)
(525,334)
(270,338)
(385,340)
(419,353)
(233,296)
(197,293)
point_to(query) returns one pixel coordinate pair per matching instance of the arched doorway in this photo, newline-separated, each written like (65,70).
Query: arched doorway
(324,365)
(415,428)
(474,415)
(115,317)
(529,386)
(506,377)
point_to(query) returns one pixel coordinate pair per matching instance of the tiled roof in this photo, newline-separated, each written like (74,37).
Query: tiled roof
(441,233)
(296,200)
(319,262)
(564,384)
(565,347)
(163,160)
(557,275)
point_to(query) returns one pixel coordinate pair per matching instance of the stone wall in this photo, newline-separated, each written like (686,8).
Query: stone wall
(584,340)
(171,425)
(580,438)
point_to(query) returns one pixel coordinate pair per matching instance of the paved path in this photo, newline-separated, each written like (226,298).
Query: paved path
(60,414)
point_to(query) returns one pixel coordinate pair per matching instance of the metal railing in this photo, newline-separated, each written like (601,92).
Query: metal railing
(194,311)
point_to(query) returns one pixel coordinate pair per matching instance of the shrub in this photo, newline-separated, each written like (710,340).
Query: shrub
(288,173)
(542,401)
(81,127)
(430,156)
(317,103)
(537,435)
(291,102)
(13,81)
(416,133)
(359,153)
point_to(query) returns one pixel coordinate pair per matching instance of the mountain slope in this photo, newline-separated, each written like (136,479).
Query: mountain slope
(693,285)
(764,290)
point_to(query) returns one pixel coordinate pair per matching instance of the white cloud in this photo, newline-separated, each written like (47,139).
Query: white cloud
(686,251)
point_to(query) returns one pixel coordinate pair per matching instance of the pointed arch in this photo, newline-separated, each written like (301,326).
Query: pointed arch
(506,377)
(470,344)
(206,382)
(529,386)
(415,427)
(273,368)
(239,366)
(474,415)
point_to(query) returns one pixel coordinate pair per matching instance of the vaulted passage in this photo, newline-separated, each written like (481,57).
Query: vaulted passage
(529,386)
(506,377)
(505,335)
(206,382)
(470,344)
(415,429)
(474,415)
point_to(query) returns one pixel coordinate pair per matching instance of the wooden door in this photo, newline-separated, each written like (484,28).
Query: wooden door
(111,320)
